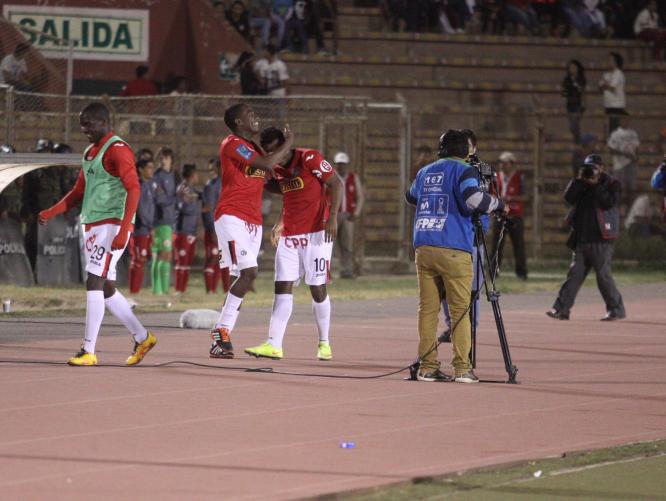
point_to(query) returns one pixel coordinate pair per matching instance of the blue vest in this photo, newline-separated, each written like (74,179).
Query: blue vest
(442,218)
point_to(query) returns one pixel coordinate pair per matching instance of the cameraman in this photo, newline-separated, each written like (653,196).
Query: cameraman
(594,219)
(445,194)
(658,182)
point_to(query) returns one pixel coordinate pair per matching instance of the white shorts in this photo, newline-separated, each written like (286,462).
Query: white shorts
(304,256)
(100,259)
(239,243)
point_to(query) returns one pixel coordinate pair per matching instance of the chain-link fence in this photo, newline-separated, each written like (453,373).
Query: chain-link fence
(375,136)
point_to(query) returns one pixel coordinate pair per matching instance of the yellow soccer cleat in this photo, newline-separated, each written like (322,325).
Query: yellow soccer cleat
(265,350)
(141,349)
(83,358)
(324,351)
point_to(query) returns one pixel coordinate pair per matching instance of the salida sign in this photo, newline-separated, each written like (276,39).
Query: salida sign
(109,34)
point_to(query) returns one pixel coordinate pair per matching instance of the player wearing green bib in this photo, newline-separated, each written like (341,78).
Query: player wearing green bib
(108,189)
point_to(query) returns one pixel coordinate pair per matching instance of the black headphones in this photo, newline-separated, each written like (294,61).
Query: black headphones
(442,151)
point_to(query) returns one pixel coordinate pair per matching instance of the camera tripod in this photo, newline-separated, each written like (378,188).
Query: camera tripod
(492,295)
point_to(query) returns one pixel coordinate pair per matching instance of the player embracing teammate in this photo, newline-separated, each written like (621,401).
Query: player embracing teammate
(238,216)
(304,237)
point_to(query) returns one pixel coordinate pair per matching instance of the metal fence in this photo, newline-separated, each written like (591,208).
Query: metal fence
(375,136)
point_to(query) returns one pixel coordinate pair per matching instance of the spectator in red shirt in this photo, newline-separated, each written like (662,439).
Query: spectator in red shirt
(511,185)
(140,86)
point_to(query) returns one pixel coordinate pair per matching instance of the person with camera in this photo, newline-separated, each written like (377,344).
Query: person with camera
(446,194)
(594,218)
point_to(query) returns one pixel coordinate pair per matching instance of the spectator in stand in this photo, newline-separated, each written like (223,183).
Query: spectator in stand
(646,28)
(573,89)
(491,16)
(239,17)
(180,86)
(623,144)
(189,211)
(141,239)
(596,19)
(588,145)
(250,81)
(263,17)
(14,68)
(521,13)
(209,197)
(511,185)
(550,11)
(612,85)
(141,85)
(273,73)
(165,218)
(303,19)
(350,210)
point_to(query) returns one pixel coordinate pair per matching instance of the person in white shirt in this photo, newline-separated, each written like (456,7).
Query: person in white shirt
(646,28)
(623,144)
(612,85)
(643,217)
(273,73)
(14,69)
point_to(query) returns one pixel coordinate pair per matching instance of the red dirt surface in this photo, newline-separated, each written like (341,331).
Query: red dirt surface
(184,432)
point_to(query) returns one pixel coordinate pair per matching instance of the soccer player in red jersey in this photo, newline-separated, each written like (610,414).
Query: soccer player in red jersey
(108,189)
(304,236)
(238,213)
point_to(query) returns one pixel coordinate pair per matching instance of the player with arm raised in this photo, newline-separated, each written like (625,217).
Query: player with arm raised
(238,213)
(304,237)
(108,189)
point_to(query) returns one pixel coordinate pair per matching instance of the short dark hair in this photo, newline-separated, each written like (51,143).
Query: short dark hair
(145,151)
(97,111)
(232,113)
(469,133)
(270,134)
(619,60)
(165,151)
(188,170)
(453,143)
(141,70)
(21,48)
(141,164)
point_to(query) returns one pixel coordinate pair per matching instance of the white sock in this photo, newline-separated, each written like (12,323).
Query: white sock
(94,317)
(322,314)
(229,313)
(283,304)
(120,308)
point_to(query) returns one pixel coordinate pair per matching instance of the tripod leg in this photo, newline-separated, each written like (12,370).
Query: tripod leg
(472,318)
(511,369)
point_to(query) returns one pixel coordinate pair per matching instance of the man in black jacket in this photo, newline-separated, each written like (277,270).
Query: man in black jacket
(594,219)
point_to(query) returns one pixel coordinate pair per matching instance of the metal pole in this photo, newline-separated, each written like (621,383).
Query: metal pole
(537,188)
(68,90)
(404,156)
(9,119)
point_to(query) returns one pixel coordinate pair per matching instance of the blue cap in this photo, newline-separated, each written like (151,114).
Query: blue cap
(593,159)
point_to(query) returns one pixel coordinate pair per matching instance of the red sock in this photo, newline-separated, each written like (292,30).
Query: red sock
(184,279)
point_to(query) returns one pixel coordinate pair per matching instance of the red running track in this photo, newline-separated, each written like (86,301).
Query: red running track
(197,433)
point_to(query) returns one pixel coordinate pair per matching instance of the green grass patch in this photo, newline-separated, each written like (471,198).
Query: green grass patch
(628,472)
(47,301)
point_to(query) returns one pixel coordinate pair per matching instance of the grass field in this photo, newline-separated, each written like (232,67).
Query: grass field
(40,300)
(628,472)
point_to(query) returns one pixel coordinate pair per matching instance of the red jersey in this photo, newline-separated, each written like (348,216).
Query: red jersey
(139,87)
(242,186)
(306,204)
(512,186)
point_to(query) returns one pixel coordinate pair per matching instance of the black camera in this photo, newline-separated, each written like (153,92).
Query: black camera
(589,171)
(487,172)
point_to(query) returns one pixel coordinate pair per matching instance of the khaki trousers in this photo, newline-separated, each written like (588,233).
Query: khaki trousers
(440,269)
